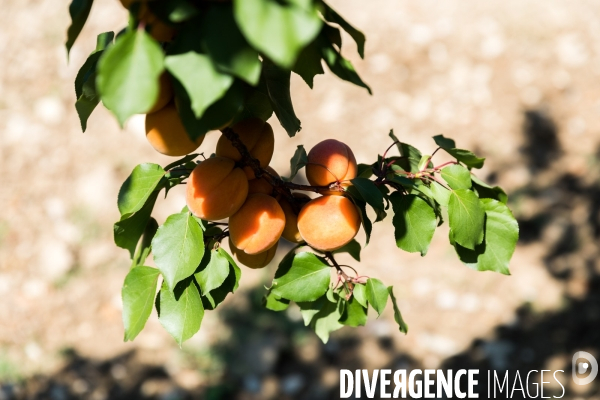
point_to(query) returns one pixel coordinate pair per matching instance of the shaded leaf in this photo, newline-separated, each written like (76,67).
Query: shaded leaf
(79,10)
(354,314)
(275,303)
(465,156)
(278,89)
(128,230)
(309,309)
(501,235)
(486,191)
(215,297)
(342,67)
(203,83)
(227,47)
(213,270)
(369,192)
(414,222)
(440,193)
(143,249)
(332,16)
(137,294)
(327,319)
(298,161)
(397,315)
(352,248)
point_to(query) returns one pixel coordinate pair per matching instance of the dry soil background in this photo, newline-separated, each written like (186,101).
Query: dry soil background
(517,81)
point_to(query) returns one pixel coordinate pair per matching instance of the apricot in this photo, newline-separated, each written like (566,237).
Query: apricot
(330,161)
(328,222)
(165,93)
(166,133)
(290,231)
(262,185)
(216,189)
(257,225)
(254,261)
(258,138)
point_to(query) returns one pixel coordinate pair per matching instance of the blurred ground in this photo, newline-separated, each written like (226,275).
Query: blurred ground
(517,81)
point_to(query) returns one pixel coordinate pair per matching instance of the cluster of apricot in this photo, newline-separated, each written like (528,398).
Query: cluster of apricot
(259,215)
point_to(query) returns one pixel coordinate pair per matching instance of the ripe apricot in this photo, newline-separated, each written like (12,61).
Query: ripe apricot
(290,231)
(328,222)
(330,161)
(158,29)
(254,261)
(216,189)
(165,93)
(257,225)
(166,133)
(262,185)
(258,138)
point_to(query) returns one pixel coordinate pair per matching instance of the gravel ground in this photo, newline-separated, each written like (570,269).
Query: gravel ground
(517,81)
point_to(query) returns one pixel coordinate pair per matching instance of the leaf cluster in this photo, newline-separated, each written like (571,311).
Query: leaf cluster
(228,61)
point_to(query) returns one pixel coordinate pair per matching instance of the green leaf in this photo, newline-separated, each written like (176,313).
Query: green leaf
(309,309)
(444,142)
(79,11)
(227,47)
(327,319)
(213,270)
(202,81)
(366,222)
(274,303)
(457,176)
(301,277)
(89,66)
(440,193)
(128,230)
(332,16)
(257,104)
(364,170)
(298,161)
(220,113)
(138,297)
(414,222)
(143,249)
(342,67)
(87,102)
(464,156)
(486,191)
(377,294)
(360,294)
(279,30)
(466,216)
(215,297)
(278,89)
(352,248)
(309,63)
(501,235)
(397,315)
(355,314)
(128,74)
(138,187)
(180,311)
(369,192)
(174,10)
(178,248)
